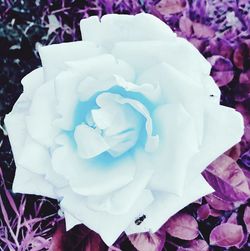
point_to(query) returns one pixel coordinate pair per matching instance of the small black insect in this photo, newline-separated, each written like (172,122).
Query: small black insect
(140,219)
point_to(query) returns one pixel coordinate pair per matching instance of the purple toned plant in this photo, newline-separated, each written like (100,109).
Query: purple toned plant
(21,229)
(227,235)
(221,31)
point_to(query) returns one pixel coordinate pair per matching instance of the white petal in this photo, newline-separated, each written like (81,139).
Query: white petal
(178,87)
(151,92)
(32,81)
(92,177)
(223,129)
(166,204)
(89,142)
(70,220)
(54,56)
(123,133)
(16,126)
(114,28)
(143,55)
(57,180)
(34,157)
(152,140)
(211,89)
(28,182)
(66,85)
(25,181)
(42,114)
(177,145)
(108,226)
(89,86)
(102,67)
(103,117)
(122,200)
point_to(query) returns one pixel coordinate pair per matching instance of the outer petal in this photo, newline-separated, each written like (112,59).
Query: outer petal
(180,88)
(16,126)
(92,177)
(32,82)
(66,86)
(143,55)
(177,87)
(211,89)
(178,143)
(25,181)
(54,56)
(102,67)
(42,113)
(113,28)
(165,205)
(34,157)
(122,200)
(109,226)
(106,99)
(30,183)
(223,129)
(96,145)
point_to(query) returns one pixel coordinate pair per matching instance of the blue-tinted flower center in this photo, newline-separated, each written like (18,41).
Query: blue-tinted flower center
(113,124)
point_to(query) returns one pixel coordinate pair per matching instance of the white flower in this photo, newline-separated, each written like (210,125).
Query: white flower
(120,126)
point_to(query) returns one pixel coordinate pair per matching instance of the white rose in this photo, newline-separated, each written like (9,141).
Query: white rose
(120,126)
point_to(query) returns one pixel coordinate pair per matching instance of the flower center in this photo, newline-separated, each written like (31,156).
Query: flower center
(115,127)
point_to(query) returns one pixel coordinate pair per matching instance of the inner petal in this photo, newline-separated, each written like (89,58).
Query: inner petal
(115,125)
(89,142)
(120,124)
(132,111)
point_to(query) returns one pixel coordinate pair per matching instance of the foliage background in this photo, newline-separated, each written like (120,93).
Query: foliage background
(220,29)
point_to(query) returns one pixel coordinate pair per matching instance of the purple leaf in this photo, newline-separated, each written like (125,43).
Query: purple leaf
(195,245)
(245,77)
(245,158)
(94,243)
(226,235)
(218,203)
(222,77)
(112,248)
(220,63)
(244,110)
(243,242)
(167,7)
(242,92)
(247,133)
(215,213)
(246,218)
(198,43)
(57,240)
(199,201)
(221,47)
(232,219)
(234,152)
(222,70)
(247,174)
(79,238)
(185,25)
(203,31)
(148,241)
(203,212)
(239,55)
(182,226)
(227,178)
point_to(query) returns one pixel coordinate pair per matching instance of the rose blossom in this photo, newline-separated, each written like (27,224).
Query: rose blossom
(119,127)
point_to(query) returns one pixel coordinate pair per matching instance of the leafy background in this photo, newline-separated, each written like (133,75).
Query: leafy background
(220,29)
